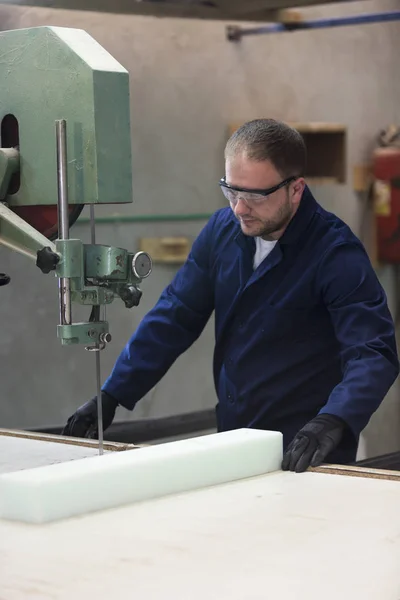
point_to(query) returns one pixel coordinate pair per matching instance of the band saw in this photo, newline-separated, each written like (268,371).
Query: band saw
(65,142)
(150,519)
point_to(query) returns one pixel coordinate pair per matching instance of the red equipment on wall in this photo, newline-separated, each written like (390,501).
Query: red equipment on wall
(386,197)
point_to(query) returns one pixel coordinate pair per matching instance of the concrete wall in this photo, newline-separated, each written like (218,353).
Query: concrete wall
(187,84)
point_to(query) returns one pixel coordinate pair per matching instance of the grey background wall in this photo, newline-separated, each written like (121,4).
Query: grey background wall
(187,84)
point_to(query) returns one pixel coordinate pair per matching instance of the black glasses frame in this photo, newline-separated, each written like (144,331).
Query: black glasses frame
(264,192)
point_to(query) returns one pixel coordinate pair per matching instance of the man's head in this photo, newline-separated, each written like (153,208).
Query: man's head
(260,156)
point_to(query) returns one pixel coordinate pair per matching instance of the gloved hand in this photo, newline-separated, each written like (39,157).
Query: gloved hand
(313,443)
(4,279)
(83,423)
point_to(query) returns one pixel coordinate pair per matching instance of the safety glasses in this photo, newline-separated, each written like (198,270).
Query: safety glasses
(251,197)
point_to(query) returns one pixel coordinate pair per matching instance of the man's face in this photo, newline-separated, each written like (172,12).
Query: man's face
(264,216)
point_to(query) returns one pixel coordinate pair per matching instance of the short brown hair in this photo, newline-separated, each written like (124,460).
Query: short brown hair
(268,139)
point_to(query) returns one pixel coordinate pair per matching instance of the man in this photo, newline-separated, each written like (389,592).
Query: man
(305,343)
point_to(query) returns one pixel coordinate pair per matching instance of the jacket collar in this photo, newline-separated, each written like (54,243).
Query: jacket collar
(307,208)
(297,226)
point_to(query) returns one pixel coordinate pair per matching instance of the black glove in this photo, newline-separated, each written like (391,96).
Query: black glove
(83,423)
(313,443)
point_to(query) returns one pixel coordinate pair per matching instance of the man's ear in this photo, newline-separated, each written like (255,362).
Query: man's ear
(298,188)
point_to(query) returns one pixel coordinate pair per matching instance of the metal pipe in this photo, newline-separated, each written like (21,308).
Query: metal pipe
(64,284)
(156,218)
(236,33)
(63,222)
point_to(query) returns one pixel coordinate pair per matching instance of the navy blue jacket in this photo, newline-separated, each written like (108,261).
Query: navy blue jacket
(307,332)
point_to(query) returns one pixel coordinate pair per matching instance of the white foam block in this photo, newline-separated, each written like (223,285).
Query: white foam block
(82,486)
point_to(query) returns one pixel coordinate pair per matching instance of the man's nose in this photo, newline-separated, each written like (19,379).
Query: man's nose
(241,207)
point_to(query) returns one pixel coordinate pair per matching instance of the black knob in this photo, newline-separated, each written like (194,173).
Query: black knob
(4,279)
(130,296)
(47,260)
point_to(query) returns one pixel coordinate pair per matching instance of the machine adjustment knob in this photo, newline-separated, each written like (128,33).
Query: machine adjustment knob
(130,296)
(47,260)
(105,338)
(4,279)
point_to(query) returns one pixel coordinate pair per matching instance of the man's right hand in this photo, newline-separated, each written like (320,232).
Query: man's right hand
(83,423)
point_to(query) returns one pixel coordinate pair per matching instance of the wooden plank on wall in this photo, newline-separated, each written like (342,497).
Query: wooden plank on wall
(173,250)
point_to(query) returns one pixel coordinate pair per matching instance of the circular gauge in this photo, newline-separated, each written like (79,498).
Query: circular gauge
(141,265)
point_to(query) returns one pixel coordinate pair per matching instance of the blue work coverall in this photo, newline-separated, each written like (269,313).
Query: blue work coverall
(307,332)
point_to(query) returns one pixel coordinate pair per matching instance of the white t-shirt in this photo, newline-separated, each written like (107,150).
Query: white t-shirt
(263,248)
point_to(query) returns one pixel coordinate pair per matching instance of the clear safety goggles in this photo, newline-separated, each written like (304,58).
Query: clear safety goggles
(251,197)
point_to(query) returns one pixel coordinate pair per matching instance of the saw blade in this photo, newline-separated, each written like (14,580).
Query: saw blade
(97,354)
(44,218)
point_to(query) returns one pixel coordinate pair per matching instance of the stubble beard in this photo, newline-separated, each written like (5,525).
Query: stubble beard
(270,230)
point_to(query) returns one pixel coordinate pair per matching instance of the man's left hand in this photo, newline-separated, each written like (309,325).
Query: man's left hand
(313,443)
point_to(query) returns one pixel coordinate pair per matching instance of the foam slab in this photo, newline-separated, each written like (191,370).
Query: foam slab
(96,483)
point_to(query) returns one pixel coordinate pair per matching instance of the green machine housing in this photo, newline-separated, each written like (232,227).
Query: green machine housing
(65,142)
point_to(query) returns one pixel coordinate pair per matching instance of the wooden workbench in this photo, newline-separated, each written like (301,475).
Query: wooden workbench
(21,450)
(329,533)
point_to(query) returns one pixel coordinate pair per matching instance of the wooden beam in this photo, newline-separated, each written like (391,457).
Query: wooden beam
(59,439)
(240,11)
(274,10)
(353,471)
(132,7)
(248,8)
(259,6)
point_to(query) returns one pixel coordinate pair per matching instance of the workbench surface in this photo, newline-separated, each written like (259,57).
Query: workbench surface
(281,536)
(20,450)
(17,454)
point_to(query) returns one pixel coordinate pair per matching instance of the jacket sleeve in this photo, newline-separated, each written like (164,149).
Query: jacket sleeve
(169,328)
(365,331)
